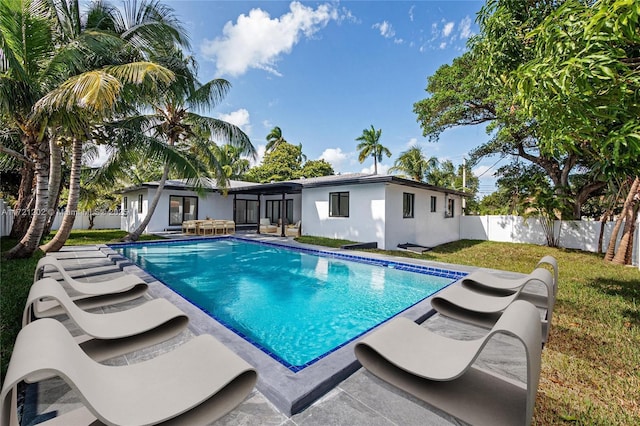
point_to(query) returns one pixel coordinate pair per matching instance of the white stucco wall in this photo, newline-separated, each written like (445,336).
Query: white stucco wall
(425,228)
(210,204)
(366,221)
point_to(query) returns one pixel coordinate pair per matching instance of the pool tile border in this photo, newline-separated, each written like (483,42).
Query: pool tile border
(425,270)
(291,390)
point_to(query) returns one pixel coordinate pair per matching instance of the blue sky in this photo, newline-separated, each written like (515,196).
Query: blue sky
(325,71)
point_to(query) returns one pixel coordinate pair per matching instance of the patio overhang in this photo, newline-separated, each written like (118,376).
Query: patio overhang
(273,188)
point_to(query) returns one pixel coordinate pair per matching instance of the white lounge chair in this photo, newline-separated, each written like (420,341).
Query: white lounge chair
(194,384)
(484,310)
(440,371)
(111,334)
(90,294)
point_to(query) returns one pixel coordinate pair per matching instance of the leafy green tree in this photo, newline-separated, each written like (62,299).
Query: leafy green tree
(316,168)
(414,164)
(283,163)
(370,146)
(583,85)
(274,139)
(474,90)
(287,162)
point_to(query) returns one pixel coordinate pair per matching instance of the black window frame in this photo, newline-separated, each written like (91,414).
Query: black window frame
(408,205)
(434,203)
(125,202)
(342,199)
(140,203)
(273,208)
(237,210)
(183,198)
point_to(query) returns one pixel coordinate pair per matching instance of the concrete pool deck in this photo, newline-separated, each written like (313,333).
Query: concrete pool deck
(352,396)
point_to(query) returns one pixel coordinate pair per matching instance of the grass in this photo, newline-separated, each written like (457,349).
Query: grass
(591,364)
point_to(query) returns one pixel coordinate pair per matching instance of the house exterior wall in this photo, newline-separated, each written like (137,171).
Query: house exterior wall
(366,221)
(210,204)
(426,228)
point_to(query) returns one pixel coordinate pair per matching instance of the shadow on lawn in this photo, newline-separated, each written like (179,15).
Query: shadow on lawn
(629,290)
(456,246)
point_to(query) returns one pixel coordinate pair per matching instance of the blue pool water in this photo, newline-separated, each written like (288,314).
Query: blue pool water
(296,305)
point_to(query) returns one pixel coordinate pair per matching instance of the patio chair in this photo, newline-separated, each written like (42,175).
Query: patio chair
(230,227)
(484,310)
(111,334)
(189,227)
(266,227)
(293,230)
(90,294)
(219,227)
(439,370)
(194,384)
(207,227)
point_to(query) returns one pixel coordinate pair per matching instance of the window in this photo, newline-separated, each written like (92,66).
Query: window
(339,204)
(140,203)
(450,207)
(407,204)
(181,209)
(433,203)
(125,205)
(273,209)
(246,212)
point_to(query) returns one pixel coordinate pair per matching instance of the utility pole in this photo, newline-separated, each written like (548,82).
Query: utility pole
(464,184)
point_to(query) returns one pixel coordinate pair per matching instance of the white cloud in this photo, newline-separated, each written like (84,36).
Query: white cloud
(447,29)
(411,9)
(336,157)
(443,45)
(260,150)
(412,142)
(465,27)
(385,28)
(382,169)
(240,118)
(482,173)
(257,41)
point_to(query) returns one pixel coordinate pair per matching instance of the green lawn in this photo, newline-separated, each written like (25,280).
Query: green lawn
(591,365)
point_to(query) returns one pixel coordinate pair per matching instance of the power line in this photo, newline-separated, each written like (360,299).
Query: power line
(494,164)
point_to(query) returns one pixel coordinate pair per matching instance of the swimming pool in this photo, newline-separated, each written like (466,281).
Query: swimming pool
(296,305)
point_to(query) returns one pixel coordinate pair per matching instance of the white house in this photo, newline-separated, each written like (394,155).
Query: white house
(388,210)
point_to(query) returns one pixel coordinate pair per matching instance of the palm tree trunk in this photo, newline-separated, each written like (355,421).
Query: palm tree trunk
(55,181)
(29,243)
(625,214)
(628,213)
(24,205)
(72,205)
(133,236)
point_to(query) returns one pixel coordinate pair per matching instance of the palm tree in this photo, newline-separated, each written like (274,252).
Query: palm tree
(370,146)
(30,64)
(414,164)
(274,138)
(142,32)
(180,135)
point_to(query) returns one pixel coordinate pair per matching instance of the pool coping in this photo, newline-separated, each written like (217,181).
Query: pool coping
(291,392)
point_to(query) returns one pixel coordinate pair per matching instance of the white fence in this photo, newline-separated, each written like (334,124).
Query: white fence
(576,234)
(101,221)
